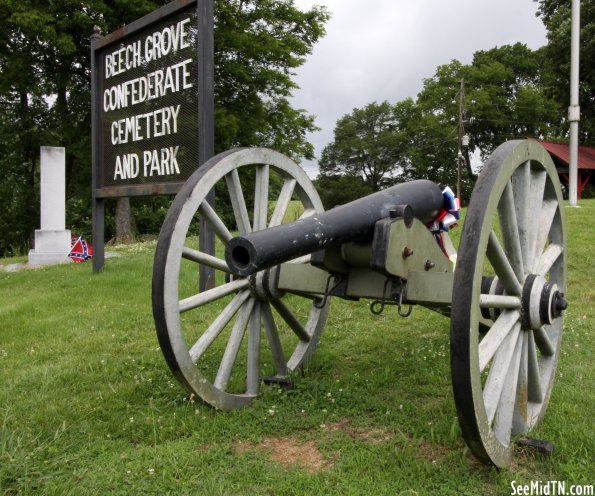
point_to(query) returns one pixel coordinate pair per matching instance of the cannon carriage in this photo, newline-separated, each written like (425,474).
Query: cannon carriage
(275,280)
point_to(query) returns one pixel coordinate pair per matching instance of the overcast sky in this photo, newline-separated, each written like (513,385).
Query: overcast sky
(377,50)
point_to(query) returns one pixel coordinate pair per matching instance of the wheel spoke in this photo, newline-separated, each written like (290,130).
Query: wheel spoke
(212,295)
(548,259)
(496,335)
(261,197)
(502,266)
(205,259)
(534,392)
(519,422)
(301,260)
(499,301)
(238,202)
(506,405)
(215,222)
(233,345)
(283,202)
(499,371)
(521,186)
(274,341)
(309,212)
(253,373)
(217,326)
(536,192)
(543,342)
(291,320)
(546,220)
(510,231)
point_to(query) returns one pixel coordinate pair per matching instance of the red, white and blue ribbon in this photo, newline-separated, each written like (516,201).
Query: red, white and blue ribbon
(447,218)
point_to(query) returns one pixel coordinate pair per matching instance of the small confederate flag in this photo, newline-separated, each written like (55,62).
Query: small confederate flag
(80,250)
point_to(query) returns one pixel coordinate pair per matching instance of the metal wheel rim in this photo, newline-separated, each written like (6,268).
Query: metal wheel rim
(512,399)
(169,254)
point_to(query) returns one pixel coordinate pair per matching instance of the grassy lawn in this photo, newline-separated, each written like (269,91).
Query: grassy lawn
(88,405)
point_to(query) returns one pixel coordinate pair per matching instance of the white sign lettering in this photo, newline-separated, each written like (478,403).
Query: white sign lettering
(154,85)
(161,162)
(161,122)
(157,45)
(150,83)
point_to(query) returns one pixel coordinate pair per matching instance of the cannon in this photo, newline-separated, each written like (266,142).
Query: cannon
(503,289)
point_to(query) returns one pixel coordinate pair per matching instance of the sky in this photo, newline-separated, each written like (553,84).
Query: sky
(376,50)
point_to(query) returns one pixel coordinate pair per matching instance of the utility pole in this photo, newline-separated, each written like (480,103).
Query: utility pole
(574,110)
(461,134)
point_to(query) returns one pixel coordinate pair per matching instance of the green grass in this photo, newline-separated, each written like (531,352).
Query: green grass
(294,210)
(88,405)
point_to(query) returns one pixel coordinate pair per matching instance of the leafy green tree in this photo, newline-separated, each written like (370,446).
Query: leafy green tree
(337,189)
(45,99)
(556,15)
(258,45)
(504,98)
(432,147)
(369,144)
(507,98)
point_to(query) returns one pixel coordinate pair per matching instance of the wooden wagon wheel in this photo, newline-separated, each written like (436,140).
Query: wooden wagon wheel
(510,275)
(212,341)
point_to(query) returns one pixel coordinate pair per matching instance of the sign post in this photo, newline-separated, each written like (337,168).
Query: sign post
(206,130)
(152,125)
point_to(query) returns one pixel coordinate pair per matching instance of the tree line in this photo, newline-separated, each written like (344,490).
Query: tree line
(508,92)
(45,96)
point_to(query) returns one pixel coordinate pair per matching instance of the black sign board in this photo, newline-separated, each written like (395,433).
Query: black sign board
(147,103)
(152,105)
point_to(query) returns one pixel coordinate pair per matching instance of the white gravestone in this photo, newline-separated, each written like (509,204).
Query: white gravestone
(52,241)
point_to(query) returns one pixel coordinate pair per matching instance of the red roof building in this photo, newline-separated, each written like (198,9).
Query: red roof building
(560,154)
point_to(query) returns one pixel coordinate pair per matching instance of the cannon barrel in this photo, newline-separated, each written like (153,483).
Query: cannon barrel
(353,221)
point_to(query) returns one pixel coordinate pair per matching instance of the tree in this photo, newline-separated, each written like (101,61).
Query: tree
(337,189)
(556,15)
(432,146)
(369,144)
(504,96)
(504,99)
(507,97)
(45,89)
(258,45)
(45,98)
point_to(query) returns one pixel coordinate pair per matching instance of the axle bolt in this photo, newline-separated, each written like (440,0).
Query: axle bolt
(559,304)
(407,252)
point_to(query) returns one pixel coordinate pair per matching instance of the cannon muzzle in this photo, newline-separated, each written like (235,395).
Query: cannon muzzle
(353,221)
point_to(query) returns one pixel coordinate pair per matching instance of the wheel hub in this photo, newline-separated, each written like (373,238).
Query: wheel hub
(542,302)
(263,284)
